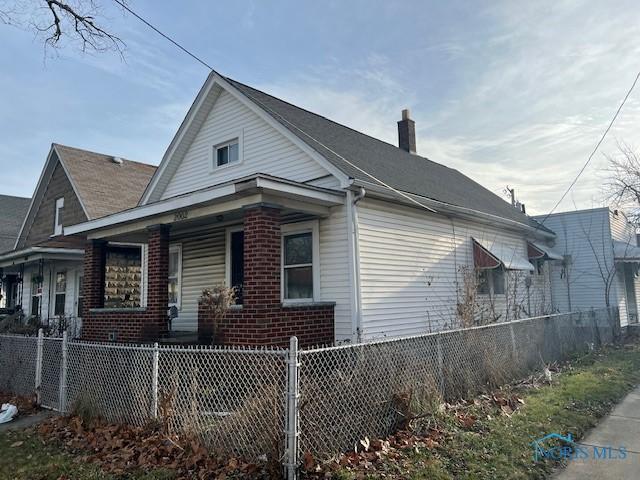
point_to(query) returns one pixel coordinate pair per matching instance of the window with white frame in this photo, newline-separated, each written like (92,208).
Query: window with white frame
(491,281)
(226,153)
(57,226)
(175,275)
(300,269)
(61,293)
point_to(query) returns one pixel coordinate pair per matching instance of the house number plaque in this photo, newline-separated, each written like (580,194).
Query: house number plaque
(181,215)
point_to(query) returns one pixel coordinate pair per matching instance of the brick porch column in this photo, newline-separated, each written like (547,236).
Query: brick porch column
(157,282)
(261,257)
(93,286)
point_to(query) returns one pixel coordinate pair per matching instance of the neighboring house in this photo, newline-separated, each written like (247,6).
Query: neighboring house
(601,260)
(75,186)
(327,233)
(12,212)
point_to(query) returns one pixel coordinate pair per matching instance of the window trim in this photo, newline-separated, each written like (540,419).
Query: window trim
(56,293)
(311,226)
(223,142)
(144,267)
(176,247)
(57,225)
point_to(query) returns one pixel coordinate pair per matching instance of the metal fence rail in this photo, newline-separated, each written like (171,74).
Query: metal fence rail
(283,403)
(347,393)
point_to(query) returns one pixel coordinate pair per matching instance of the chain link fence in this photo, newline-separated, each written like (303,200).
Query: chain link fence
(278,403)
(347,393)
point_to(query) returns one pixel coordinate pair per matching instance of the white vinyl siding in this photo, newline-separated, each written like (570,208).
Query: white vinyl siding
(328,181)
(48,298)
(587,237)
(264,149)
(409,268)
(334,270)
(203,265)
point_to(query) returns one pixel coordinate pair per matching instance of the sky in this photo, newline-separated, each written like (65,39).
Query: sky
(510,93)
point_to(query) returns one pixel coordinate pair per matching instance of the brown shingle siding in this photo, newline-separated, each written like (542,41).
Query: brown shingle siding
(41,226)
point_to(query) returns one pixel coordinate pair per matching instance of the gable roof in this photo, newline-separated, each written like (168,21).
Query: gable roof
(345,152)
(399,169)
(102,185)
(12,213)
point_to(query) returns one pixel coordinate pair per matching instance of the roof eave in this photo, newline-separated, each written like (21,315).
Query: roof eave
(453,210)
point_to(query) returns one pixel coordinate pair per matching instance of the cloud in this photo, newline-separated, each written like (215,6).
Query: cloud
(537,95)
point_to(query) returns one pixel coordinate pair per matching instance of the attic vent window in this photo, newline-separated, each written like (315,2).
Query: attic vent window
(57,225)
(226,153)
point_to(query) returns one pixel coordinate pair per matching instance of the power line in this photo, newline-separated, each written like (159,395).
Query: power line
(195,57)
(192,55)
(575,180)
(604,135)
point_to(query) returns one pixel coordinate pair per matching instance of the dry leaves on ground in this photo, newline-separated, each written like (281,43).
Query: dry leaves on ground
(26,405)
(119,449)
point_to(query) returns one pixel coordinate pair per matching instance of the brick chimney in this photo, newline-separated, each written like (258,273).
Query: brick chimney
(407,132)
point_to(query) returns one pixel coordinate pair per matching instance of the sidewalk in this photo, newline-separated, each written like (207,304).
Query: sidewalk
(620,428)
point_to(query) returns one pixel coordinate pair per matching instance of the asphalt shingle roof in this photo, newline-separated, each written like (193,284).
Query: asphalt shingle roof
(12,213)
(104,186)
(394,166)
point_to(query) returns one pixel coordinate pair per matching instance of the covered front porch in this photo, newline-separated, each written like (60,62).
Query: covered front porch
(145,270)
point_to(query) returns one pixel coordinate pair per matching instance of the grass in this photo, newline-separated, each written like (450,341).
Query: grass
(26,457)
(499,447)
(492,448)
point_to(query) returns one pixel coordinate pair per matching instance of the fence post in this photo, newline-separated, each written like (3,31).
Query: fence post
(440,363)
(292,410)
(513,341)
(62,400)
(38,384)
(154,381)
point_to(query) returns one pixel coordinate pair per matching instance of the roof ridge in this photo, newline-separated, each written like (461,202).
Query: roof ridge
(103,154)
(415,155)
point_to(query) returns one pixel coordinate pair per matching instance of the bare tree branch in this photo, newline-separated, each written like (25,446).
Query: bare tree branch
(623,186)
(80,22)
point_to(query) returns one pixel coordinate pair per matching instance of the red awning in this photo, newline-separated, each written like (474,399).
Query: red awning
(533,252)
(482,258)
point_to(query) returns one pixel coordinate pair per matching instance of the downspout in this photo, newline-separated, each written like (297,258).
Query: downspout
(355,235)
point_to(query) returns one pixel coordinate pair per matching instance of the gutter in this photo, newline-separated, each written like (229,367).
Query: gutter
(354,236)
(27,252)
(444,208)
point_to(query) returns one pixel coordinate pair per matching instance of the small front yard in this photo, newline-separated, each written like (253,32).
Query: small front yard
(488,437)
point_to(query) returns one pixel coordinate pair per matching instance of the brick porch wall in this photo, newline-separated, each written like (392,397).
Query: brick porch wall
(129,325)
(263,320)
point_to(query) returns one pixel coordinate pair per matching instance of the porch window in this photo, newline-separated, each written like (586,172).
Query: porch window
(123,277)
(300,261)
(175,275)
(61,293)
(57,225)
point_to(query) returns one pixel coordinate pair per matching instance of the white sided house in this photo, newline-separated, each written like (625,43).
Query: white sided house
(324,232)
(601,260)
